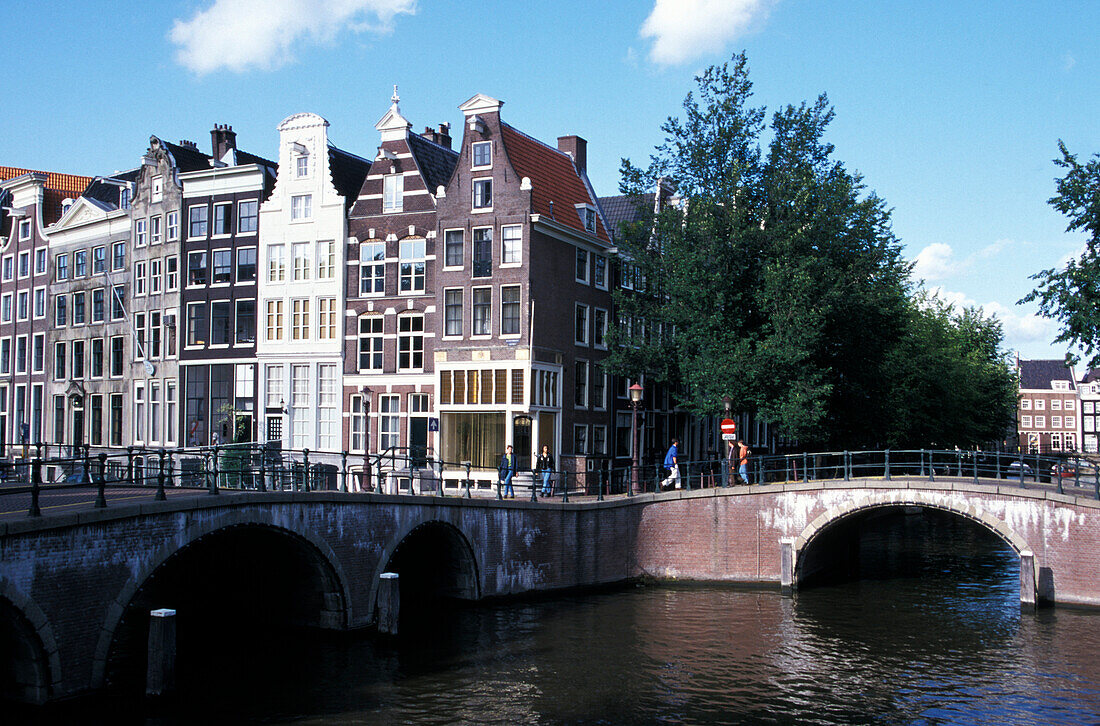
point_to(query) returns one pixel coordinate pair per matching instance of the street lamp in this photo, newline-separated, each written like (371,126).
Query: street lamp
(636,392)
(366,435)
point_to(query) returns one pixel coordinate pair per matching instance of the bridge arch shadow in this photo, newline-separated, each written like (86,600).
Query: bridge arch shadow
(436,562)
(814,540)
(30,667)
(231,577)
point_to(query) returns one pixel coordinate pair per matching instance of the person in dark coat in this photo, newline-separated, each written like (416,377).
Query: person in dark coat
(544,465)
(507,471)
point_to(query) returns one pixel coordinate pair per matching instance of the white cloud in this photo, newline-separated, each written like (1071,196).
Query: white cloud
(683,30)
(240,35)
(935,262)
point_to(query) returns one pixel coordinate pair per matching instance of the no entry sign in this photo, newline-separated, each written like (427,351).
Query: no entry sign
(729,429)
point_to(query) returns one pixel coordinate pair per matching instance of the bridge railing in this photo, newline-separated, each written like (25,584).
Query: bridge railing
(417,471)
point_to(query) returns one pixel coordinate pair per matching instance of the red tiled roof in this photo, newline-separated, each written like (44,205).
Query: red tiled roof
(553,177)
(58,188)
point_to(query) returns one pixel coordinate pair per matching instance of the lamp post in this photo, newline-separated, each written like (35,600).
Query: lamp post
(636,392)
(366,435)
(727,407)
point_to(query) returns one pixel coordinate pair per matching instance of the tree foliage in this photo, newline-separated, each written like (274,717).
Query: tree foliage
(1072,295)
(776,280)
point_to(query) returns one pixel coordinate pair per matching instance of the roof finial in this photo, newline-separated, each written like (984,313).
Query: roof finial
(395,98)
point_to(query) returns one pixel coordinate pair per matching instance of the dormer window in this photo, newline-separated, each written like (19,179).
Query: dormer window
(158,190)
(124,198)
(482,152)
(590,220)
(393,190)
(483,193)
(301,165)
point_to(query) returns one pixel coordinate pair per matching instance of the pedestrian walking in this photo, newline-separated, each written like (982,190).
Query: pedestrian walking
(673,466)
(507,471)
(743,453)
(544,465)
(731,463)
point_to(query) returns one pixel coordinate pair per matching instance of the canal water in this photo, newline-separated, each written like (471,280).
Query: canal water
(929,631)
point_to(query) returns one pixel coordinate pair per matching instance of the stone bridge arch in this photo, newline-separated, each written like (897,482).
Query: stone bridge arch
(202,530)
(459,542)
(795,549)
(35,660)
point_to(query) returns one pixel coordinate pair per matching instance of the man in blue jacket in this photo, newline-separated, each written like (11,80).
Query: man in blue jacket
(672,464)
(507,471)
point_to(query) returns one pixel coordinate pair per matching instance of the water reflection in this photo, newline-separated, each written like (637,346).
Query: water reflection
(931,632)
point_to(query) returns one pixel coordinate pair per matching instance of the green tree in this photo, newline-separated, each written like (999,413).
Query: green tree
(1072,295)
(777,281)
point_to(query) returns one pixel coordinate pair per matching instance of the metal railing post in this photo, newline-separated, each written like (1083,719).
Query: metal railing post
(997,473)
(959,463)
(36,486)
(975,467)
(87,464)
(805,467)
(533,497)
(467,464)
(931,466)
(887,465)
(263,470)
(344,466)
(1021,472)
(305,470)
(847,470)
(130,465)
(101,492)
(1076,471)
(565,486)
(161,496)
(600,484)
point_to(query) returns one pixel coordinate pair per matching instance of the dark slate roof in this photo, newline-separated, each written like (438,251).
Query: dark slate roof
(106,189)
(1091,376)
(1038,374)
(436,162)
(348,172)
(243,157)
(187,158)
(625,208)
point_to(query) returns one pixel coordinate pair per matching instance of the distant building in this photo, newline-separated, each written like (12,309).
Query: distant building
(1089,390)
(1047,412)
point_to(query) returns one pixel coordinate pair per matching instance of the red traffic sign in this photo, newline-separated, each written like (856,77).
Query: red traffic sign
(729,426)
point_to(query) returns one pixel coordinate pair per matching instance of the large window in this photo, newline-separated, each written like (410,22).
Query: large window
(300,413)
(223,266)
(196,268)
(301,206)
(99,260)
(372,268)
(276,263)
(141,232)
(61,311)
(78,359)
(273,386)
(393,190)
(452,311)
(511,245)
(274,324)
(483,193)
(61,263)
(116,419)
(139,412)
(483,310)
(222,221)
(299,319)
(581,325)
(580,385)
(410,342)
(172,223)
(248,216)
(171,273)
(246,265)
(412,265)
(118,255)
(370,343)
(139,278)
(5,361)
(60,361)
(118,302)
(326,260)
(97,305)
(452,248)
(328,404)
(482,152)
(97,358)
(389,435)
(599,328)
(483,252)
(300,253)
(474,437)
(78,308)
(155,234)
(196,323)
(509,310)
(198,221)
(582,265)
(117,356)
(80,263)
(358,423)
(220,321)
(246,322)
(326,318)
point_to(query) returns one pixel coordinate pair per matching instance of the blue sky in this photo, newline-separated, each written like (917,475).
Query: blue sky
(950,110)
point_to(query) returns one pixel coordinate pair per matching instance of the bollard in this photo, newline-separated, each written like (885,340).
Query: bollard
(533,497)
(160,674)
(160,497)
(389,602)
(87,463)
(36,486)
(344,466)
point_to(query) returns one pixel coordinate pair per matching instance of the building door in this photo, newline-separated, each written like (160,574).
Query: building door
(521,441)
(78,426)
(243,429)
(418,440)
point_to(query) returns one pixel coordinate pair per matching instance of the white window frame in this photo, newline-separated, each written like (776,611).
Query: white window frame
(301,207)
(474,184)
(587,327)
(511,249)
(393,193)
(474,148)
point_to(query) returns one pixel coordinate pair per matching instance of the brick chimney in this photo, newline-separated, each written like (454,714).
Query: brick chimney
(441,136)
(222,139)
(576,147)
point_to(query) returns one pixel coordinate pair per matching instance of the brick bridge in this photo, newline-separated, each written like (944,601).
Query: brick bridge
(76,588)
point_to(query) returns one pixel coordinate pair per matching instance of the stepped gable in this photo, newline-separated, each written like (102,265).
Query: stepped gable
(59,187)
(348,172)
(436,162)
(1039,374)
(554,178)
